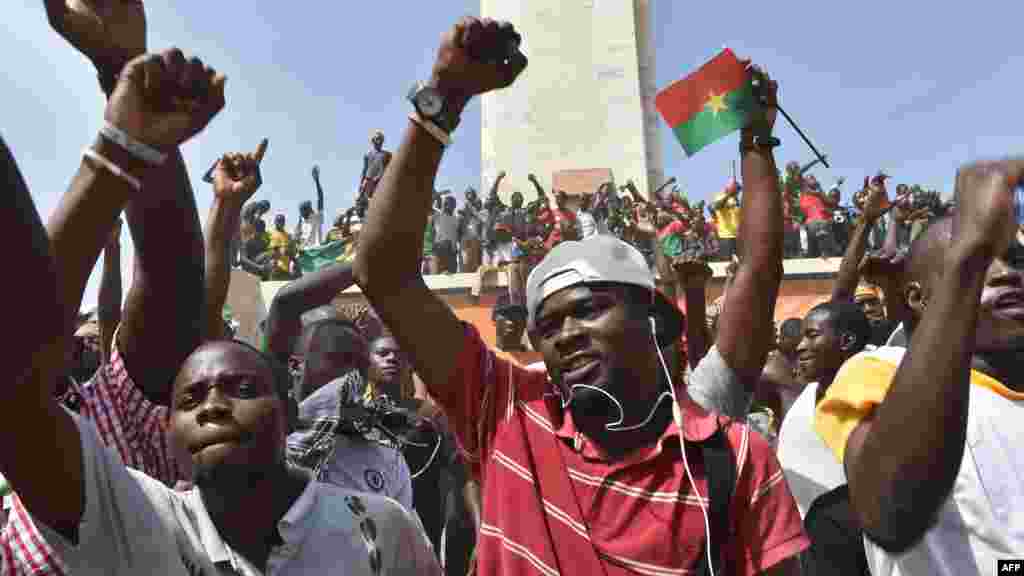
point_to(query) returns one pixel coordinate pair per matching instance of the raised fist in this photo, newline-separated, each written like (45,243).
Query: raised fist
(875,204)
(237,176)
(883,269)
(985,221)
(476,56)
(162,100)
(502,174)
(532,177)
(767,90)
(107,32)
(316,172)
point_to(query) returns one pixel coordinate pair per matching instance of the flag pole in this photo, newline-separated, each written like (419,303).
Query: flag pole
(806,140)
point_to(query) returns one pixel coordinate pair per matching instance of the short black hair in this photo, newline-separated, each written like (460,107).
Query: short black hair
(305,205)
(309,329)
(791,328)
(846,318)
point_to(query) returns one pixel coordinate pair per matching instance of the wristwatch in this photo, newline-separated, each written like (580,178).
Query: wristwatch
(430,105)
(758,142)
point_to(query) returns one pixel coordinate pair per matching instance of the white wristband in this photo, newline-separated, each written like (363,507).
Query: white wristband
(143,152)
(114,169)
(443,137)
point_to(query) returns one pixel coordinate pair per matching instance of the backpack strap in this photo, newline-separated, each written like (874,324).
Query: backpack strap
(721,473)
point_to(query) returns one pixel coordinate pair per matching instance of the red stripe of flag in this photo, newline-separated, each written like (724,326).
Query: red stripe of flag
(685,98)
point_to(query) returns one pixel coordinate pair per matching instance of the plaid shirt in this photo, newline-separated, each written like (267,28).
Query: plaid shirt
(125,421)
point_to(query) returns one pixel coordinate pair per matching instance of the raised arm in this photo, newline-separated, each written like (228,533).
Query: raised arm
(110,176)
(902,462)
(494,187)
(108,305)
(236,178)
(745,328)
(167,281)
(284,323)
(542,194)
(692,277)
(849,268)
(391,242)
(319,190)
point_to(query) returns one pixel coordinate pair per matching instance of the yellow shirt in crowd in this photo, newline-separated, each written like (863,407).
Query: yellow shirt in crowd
(727,218)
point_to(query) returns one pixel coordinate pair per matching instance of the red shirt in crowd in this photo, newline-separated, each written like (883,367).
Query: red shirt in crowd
(555,217)
(553,504)
(814,208)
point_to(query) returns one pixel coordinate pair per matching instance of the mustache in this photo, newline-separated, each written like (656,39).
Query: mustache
(239,436)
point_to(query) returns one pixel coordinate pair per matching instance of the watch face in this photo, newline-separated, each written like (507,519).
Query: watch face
(429,102)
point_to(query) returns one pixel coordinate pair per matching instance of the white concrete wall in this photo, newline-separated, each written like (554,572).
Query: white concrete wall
(581,101)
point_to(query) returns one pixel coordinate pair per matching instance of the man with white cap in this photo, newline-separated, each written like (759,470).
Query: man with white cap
(602,464)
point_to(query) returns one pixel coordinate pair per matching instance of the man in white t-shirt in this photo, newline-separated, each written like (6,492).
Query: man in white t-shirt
(832,333)
(249,511)
(930,435)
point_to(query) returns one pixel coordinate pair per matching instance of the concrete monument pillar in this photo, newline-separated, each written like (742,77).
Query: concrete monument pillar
(586,101)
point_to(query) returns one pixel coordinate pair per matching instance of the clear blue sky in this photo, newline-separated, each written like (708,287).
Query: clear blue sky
(911,87)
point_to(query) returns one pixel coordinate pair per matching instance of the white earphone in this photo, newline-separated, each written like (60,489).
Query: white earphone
(677,413)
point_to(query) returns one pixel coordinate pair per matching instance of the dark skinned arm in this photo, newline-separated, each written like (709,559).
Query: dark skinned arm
(108,306)
(391,243)
(50,285)
(284,323)
(695,291)
(223,219)
(746,328)
(319,196)
(849,269)
(902,462)
(236,177)
(167,284)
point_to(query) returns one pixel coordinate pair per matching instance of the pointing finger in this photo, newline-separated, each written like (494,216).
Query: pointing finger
(261,150)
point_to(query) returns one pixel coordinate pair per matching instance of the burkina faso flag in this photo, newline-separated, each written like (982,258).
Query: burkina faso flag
(710,103)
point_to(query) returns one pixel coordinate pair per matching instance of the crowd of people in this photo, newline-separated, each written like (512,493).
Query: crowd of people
(488,232)
(661,434)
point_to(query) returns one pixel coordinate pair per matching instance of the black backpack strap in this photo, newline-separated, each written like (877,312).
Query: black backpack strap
(721,472)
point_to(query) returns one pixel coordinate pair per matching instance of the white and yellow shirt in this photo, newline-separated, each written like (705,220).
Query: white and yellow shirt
(983,519)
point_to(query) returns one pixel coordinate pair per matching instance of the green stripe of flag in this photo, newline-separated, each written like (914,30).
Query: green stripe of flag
(313,259)
(706,126)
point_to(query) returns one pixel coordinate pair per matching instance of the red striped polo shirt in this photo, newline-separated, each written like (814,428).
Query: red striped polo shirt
(552,505)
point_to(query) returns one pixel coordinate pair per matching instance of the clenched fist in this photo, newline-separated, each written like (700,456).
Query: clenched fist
(163,99)
(476,56)
(985,222)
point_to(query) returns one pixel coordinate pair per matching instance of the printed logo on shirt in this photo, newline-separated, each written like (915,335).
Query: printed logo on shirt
(374,479)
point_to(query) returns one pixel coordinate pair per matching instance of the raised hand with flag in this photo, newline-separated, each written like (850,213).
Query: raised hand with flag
(715,101)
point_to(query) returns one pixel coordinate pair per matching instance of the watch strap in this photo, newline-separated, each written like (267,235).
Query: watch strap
(433,129)
(758,142)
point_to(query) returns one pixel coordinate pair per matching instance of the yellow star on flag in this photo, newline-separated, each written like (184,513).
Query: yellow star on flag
(716,103)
